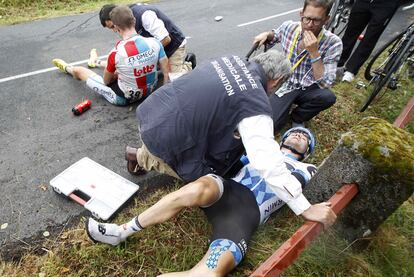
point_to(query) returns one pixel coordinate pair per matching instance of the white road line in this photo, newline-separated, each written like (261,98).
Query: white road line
(47,70)
(269,17)
(42,71)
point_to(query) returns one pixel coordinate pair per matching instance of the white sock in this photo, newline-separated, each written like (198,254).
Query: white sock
(98,63)
(69,69)
(129,228)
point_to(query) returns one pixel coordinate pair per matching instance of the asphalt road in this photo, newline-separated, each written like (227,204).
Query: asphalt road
(40,137)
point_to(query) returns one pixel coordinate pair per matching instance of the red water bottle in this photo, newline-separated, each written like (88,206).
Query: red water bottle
(81,107)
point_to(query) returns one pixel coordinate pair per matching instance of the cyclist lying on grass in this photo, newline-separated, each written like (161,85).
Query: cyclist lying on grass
(235,208)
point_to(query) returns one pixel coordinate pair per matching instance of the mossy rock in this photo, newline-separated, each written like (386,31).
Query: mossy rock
(388,148)
(379,158)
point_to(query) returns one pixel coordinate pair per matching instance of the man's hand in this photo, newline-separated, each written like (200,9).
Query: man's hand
(262,37)
(310,43)
(322,213)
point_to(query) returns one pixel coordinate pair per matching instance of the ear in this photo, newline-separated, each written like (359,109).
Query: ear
(301,13)
(108,22)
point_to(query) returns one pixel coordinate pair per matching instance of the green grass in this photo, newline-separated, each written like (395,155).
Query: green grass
(18,11)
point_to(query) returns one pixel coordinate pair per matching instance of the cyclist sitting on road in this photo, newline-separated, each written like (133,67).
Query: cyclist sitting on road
(130,72)
(233,224)
(313,53)
(152,22)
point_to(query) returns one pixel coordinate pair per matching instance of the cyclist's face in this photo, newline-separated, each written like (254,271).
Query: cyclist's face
(298,140)
(313,18)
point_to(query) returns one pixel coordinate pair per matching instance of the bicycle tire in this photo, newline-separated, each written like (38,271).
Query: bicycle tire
(332,14)
(377,88)
(343,19)
(368,74)
(396,63)
(341,28)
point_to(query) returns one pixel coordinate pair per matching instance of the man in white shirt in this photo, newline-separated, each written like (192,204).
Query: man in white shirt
(151,22)
(233,224)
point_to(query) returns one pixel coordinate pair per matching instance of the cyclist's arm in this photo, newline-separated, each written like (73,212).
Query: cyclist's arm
(110,75)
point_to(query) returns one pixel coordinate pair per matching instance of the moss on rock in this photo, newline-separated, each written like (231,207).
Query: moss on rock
(388,148)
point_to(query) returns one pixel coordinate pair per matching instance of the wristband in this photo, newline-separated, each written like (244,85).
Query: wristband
(315,59)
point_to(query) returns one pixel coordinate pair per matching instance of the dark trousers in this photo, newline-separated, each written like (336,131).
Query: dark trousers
(310,101)
(374,15)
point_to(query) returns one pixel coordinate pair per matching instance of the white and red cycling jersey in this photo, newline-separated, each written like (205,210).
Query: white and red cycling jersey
(135,60)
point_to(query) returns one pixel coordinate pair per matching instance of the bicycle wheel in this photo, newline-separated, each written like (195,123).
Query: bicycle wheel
(395,64)
(333,15)
(380,56)
(378,84)
(342,21)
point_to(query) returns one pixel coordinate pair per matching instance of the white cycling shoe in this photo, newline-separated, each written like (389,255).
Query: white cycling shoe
(108,233)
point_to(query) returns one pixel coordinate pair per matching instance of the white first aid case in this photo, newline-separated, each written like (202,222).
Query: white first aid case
(98,189)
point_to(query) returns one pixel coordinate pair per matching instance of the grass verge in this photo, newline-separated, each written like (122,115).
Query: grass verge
(18,11)
(178,244)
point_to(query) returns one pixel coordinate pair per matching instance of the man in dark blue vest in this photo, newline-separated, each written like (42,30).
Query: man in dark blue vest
(151,22)
(201,123)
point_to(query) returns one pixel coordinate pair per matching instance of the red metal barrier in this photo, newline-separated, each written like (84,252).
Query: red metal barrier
(406,115)
(292,248)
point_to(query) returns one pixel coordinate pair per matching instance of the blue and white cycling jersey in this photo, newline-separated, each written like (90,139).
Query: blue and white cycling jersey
(266,199)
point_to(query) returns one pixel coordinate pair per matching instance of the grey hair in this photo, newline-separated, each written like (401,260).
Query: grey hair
(326,4)
(274,63)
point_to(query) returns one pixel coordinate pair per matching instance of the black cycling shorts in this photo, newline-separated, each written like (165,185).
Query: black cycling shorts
(235,216)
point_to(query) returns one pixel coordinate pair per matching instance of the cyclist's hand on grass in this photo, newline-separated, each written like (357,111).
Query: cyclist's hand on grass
(322,213)
(263,37)
(310,43)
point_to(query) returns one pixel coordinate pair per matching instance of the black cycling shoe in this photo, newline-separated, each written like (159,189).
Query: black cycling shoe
(191,57)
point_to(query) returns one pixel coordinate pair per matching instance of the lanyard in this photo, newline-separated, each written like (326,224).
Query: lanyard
(292,47)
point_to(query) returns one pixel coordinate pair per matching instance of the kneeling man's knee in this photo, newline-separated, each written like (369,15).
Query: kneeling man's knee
(329,99)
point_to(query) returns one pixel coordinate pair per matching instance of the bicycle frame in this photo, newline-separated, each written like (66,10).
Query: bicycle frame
(389,62)
(388,73)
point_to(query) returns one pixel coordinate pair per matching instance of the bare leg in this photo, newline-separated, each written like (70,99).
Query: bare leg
(202,192)
(101,63)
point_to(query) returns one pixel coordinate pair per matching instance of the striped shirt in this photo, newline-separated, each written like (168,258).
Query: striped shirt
(135,60)
(330,49)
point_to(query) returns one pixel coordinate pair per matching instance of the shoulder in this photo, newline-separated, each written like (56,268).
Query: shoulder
(150,41)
